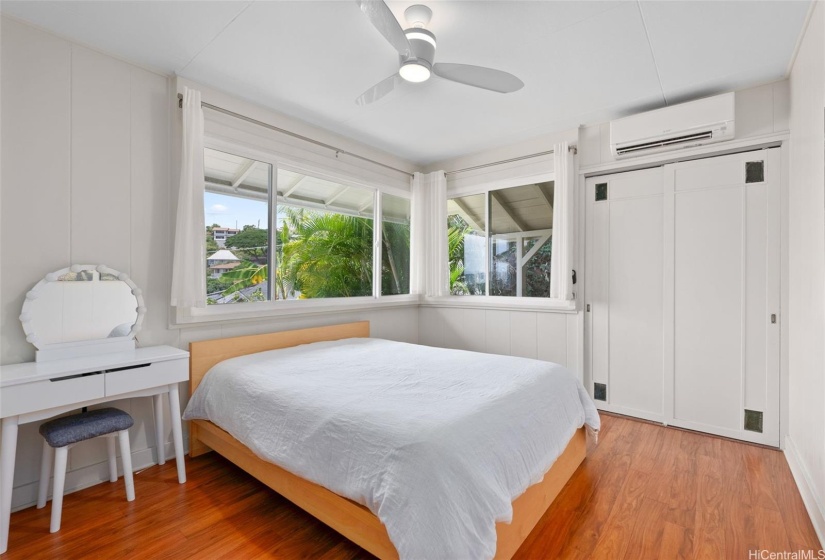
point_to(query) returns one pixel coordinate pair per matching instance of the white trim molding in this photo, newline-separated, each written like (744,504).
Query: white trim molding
(816,510)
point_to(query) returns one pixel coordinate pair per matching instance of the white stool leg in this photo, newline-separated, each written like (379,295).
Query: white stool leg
(126,457)
(45,474)
(60,456)
(110,446)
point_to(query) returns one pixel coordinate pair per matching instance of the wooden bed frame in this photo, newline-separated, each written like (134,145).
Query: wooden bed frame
(349,518)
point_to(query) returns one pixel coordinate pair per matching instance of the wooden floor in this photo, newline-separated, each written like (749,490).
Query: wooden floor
(644,492)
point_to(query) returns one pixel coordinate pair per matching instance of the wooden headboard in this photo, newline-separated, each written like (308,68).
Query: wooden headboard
(207,353)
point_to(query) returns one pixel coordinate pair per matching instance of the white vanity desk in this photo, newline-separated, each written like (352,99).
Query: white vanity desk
(34,391)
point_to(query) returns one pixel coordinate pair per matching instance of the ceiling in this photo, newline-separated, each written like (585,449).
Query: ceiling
(581,62)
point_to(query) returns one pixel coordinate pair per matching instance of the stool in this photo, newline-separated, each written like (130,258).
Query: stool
(60,434)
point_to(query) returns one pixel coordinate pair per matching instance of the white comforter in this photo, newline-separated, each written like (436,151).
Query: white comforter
(437,443)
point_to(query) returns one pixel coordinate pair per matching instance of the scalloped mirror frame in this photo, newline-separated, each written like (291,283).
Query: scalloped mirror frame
(83,347)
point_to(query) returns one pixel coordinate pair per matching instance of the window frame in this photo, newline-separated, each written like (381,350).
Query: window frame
(498,302)
(276,307)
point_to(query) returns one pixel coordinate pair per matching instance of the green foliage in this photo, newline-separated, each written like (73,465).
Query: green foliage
(251,243)
(322,254)
(331,253)
(214,285)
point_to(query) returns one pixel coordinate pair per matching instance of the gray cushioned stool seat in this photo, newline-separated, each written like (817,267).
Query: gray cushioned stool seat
(86,425)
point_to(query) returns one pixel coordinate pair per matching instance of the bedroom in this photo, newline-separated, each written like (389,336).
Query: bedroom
(678,281)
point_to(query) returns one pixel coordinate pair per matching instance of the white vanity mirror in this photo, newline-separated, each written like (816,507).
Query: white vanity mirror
(81,310)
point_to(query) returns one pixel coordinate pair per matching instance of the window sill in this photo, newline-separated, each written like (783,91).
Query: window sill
(502,303)
(286,309)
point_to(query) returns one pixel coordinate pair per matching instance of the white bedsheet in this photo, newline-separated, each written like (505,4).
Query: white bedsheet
(437,443)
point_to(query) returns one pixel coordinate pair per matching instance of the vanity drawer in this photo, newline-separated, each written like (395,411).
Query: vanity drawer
(153,375)
(42,395)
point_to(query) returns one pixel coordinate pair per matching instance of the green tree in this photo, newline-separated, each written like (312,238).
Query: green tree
(251,244)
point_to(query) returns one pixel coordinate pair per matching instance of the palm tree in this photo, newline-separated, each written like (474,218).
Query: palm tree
(324,254)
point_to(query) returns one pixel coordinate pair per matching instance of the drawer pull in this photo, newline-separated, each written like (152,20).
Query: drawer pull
(75,376)
(128,367)
(88,373)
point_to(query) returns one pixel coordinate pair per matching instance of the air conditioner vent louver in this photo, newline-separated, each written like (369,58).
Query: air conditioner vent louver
(688,125)
(707,135)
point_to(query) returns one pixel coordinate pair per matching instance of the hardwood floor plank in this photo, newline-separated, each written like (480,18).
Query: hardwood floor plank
(645,491)
(677,542)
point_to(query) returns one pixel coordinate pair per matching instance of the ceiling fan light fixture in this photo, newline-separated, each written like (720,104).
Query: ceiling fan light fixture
(420,35)
(415,71)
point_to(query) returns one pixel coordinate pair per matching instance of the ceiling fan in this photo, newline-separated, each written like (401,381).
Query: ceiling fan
(416,50)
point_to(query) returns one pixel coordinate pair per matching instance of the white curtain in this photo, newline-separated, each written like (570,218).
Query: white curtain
(189,265)
(428,246)
(561,283)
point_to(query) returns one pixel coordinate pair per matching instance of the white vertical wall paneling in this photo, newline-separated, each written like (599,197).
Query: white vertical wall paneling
(543,336)
(806,264)
(101,172)
(150,229)
(523,334)
(498,331)
(552,333)
(34,223)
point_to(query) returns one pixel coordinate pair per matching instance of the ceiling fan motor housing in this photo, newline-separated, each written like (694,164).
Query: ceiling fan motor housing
(422,43)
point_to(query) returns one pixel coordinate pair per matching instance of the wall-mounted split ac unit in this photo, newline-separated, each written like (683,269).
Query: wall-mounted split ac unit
(687,125)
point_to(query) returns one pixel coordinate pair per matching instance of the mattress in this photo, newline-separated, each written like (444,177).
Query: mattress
(437,443)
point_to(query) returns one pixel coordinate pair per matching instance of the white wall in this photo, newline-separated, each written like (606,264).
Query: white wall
(87,177)
(806,439)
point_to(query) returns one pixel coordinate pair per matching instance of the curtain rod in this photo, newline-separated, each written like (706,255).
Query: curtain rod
(293,135)
(511,160)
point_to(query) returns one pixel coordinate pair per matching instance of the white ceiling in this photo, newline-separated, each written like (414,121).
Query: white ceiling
(581,62)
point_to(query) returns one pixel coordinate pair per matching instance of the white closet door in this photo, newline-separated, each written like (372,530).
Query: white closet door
(722,294)
(624,290)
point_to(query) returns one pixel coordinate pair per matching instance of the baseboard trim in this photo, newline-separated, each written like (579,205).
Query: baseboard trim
(25,495)
(816,511)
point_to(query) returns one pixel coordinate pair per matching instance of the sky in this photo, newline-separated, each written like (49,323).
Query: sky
(234,212)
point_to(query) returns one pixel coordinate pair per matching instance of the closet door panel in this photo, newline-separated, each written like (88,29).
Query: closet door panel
(725,345)
(598,291)
(708,306)
(756,291)
(635,287)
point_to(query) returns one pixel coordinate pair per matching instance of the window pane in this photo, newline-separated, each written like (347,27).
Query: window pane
(395,245)
(466,233)
(324,238)
(521,221)
(236,208)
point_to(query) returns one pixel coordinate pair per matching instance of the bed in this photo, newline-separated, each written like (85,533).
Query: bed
(378,439)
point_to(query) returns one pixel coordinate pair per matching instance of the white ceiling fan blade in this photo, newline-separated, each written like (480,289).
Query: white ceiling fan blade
(378,91)
(478,76)
(381,17)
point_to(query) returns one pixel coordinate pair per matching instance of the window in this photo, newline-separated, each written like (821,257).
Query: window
(500,243)
(236,211)
(395,244)
(324,238)
(276,233)
(466,244)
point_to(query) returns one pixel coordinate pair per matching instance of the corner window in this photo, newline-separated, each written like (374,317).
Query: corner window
(276,234)
(500,242)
